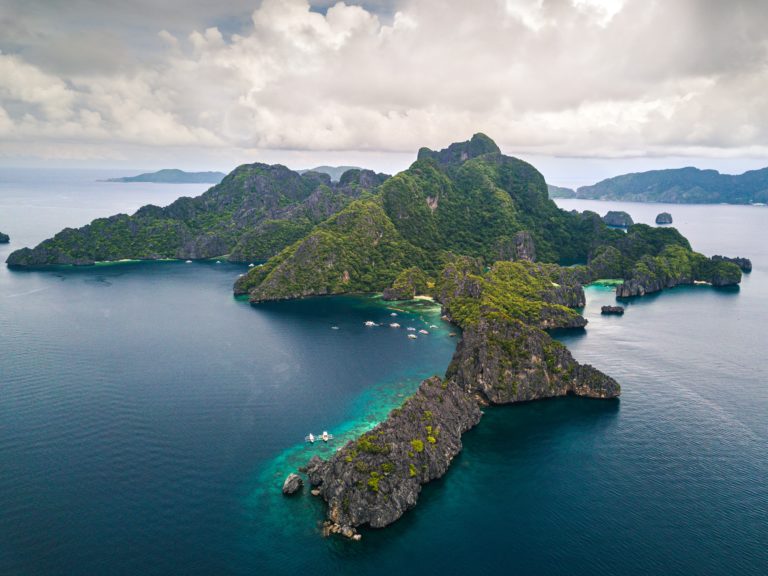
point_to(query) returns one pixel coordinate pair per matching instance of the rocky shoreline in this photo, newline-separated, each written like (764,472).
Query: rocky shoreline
(744,263)
(505,356)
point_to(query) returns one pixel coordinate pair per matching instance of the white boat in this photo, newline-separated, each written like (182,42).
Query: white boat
(189,261)
(394,325)
(432,326)
(423,332)
(370,323)
(250,265)
(412,336)
(410,329)
(393,314)
(310,438)
(325,436)
(218,261)
(334,327)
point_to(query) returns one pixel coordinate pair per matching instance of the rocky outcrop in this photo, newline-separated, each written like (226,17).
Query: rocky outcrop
(744,263)
(504,357)
(519,247)
(459,152)
(376,478)
(407,285)
(4,238)
(618,219)
(523,247)
(649,284)
(664,218)
(618,310)
(292,484)
(507,362)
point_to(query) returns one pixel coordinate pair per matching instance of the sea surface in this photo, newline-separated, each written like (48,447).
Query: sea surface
(148,418)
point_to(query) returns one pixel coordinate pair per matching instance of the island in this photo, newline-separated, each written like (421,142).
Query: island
(467,226)
(255,212)
(615,310)
(682,186)
(664,218)
(618,219)
(173,176)
(560,192)
(4,238)
(335,172)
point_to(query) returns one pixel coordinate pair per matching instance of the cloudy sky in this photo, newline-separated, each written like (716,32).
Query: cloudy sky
(582,88)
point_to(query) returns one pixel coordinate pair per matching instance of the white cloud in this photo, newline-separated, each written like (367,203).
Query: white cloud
(597,78)
(24,83)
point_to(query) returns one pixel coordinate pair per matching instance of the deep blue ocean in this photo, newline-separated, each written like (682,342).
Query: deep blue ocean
(148,418)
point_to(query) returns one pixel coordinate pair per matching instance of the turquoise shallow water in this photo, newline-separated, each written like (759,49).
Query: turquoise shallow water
(147,419)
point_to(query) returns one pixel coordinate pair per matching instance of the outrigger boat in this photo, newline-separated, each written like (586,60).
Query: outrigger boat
(325,436)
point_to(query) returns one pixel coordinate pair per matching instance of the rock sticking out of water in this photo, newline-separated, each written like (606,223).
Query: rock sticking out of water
(292,484)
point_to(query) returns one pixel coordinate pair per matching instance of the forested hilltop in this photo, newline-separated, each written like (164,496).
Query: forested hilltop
(468,200)
(682,186)
(362,233)
(255,212)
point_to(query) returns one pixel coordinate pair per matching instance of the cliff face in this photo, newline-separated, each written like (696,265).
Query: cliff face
(376,478)
(507,362)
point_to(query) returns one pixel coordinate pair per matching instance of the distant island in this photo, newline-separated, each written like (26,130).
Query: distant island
(682,186)
(4,238)
(334,172)
(173,176)
(560,192)
(467,226)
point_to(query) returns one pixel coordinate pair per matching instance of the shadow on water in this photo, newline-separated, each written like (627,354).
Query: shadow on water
(560,333)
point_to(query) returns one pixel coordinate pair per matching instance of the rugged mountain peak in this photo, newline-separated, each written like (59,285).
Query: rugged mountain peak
(362,177)
(458,152)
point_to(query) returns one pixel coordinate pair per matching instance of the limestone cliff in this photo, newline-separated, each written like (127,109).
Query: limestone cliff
(376,478)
